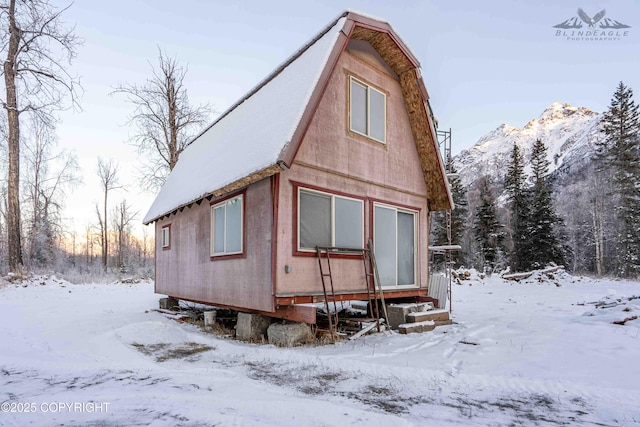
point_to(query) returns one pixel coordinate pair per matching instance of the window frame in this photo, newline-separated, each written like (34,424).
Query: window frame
(368,88)
(212,208)
(297,189)
(416,239)
(167,228)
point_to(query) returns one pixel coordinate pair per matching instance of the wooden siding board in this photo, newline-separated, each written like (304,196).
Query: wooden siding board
(187,270)
(330,157)
(400,60)
(406,170)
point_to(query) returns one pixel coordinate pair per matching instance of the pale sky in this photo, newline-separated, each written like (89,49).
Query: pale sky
(484,63)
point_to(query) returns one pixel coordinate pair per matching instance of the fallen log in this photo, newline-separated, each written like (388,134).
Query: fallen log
(527,274)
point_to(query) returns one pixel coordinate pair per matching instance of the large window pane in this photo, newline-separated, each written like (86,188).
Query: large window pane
(406,242)
(377,115)
(385,244)
(315,220)
(234,225)
(358,108)
(348,219)
(218,229)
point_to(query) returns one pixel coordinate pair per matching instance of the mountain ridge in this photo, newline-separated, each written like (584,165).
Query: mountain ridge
(568,131)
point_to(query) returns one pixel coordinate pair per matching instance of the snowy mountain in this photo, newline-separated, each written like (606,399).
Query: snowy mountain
(569,133)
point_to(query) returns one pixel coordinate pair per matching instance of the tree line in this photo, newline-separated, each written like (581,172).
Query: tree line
(35,175)
(587,220)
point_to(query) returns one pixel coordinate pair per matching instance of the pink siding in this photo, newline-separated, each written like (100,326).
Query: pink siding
(186,270)
(332,157)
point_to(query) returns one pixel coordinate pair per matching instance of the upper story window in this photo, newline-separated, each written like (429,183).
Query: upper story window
(226,227)
(328,220)
(367,110)
(166,236)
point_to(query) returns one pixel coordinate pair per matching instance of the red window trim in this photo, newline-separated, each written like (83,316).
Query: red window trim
(242,254)
(294,237)
(418,213)
(372,203)
(167,226)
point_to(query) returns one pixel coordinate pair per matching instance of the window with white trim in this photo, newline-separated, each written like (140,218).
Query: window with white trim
(325,219)
(227,227)
(367,110)
(394,234)
(166,236)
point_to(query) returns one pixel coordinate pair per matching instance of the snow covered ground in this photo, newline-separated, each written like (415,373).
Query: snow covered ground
(537,352)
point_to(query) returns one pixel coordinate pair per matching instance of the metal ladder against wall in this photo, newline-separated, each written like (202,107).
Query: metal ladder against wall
(371,278)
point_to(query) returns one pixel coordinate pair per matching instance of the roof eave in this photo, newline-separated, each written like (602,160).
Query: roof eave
(233,186)
(290,150)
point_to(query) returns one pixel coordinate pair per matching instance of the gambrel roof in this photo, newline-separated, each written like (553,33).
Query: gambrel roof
(259,135)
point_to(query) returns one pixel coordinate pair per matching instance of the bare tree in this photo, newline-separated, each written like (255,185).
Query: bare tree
(37,49)
(107,171)
(48,175)
(3,196)
(88,244)
(147,244)
(3,226)
(163,118)
(123,217)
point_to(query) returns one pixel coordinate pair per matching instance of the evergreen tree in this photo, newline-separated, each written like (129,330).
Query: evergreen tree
(487,229)
(543,222)
(619,154)
(518,203)
(458,218)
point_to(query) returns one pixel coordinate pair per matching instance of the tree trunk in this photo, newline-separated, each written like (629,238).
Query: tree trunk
(13,142)
(105,242)
(598,235)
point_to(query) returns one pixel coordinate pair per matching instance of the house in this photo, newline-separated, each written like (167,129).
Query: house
(335,147)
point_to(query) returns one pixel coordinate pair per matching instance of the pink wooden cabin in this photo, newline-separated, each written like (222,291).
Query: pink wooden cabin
(335,147)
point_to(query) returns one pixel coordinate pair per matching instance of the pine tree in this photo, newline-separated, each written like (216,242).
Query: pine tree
(518,203)
(458,218)
(619,154)
(487,229)
(543,221)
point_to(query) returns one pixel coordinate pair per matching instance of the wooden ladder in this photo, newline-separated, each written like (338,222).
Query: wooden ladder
(376,281)
(370,273)
(330,295)
(371,279)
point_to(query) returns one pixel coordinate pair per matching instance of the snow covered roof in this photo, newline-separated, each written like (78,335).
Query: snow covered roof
(258,135)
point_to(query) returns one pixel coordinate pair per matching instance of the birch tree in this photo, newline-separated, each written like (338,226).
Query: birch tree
(49,173)
(37,49)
